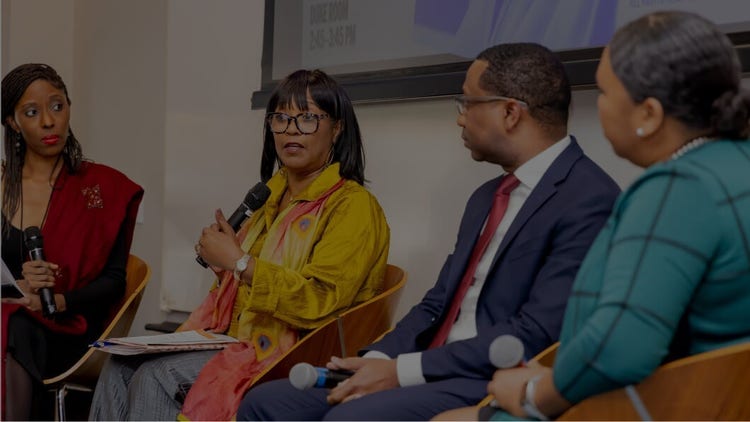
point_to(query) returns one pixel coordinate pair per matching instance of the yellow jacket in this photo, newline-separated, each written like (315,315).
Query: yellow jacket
(346,265)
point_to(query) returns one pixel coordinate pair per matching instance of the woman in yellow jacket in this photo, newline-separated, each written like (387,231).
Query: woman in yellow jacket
(319,245)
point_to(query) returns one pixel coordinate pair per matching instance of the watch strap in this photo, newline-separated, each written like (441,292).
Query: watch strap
(528,400)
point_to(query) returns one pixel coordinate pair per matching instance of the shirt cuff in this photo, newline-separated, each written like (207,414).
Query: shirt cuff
(375,354)
(409,369)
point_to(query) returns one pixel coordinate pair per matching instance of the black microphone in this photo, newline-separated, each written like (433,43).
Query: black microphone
(304,376)
(506,351)
(35,245)
(255,198)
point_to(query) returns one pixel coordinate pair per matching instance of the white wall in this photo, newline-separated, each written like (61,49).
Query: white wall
(54,45)
(162,92)
(212,143)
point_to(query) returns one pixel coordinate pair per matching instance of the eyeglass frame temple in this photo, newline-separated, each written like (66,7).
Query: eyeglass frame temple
(461,100)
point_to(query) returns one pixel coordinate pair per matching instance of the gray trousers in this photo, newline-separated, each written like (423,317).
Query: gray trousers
(146,387)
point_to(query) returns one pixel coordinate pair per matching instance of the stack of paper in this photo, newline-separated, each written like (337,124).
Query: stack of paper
(10,288)
(173,342)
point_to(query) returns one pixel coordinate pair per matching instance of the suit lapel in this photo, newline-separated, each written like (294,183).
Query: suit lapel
(546,188)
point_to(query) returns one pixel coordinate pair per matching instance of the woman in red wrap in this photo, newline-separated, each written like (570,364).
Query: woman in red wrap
(86,213)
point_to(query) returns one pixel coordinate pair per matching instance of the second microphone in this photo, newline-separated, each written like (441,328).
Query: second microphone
(304,376)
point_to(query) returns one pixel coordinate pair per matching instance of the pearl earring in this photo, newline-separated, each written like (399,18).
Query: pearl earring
(640,132)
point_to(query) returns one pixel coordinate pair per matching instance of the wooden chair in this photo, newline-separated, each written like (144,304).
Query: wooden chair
(345,334)
(708,386)
(83,375)
(713,385)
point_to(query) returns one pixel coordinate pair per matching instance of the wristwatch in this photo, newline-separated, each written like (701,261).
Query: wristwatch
(527,401)
(240,266)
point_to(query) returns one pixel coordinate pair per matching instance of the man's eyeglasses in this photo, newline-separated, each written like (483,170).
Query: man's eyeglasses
(463,101)
(306,123)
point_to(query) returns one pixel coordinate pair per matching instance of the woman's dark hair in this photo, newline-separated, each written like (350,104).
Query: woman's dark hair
(531,73)
(329,97)
(13,87)
(687,64)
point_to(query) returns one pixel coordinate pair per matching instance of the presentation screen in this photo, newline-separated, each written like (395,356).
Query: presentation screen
(400,49)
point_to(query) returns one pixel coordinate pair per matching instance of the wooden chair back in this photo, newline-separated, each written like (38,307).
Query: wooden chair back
(713,385)
(708,386)
(345,334)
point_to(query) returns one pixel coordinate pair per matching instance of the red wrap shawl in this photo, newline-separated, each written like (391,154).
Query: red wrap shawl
(86,212)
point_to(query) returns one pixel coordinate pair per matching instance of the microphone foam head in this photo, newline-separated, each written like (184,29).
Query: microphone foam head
(33,237)
(257,196)
(506,351)
(303,376)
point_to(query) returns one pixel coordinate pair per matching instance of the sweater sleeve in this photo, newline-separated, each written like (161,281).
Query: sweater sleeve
(95,300)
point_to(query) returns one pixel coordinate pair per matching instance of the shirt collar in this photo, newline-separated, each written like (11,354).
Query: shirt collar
(531,172)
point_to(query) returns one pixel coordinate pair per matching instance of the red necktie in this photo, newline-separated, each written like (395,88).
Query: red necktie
(502,195)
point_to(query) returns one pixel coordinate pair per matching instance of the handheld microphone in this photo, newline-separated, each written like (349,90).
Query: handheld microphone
(304,376)
(506,351)
(35,245)
(255,198)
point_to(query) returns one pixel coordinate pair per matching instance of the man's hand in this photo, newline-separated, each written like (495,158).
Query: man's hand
(370,376)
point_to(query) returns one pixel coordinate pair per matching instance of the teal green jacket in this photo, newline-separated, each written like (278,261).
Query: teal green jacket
(668,276)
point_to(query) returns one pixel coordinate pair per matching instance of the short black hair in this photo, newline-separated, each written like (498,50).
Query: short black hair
(532,73)
(331,98)
(685,62)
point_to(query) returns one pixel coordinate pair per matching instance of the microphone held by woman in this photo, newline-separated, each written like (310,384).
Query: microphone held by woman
(35,244)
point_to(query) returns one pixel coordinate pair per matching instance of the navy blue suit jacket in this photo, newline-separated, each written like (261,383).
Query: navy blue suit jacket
(530,279)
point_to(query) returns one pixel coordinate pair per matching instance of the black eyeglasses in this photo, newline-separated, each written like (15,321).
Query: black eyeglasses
(306,123)
(462,101)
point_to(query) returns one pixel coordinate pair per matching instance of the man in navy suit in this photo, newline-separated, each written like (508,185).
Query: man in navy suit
(513,113)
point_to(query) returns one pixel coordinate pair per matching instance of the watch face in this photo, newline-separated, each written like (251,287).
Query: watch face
(240,266)
(241,263)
